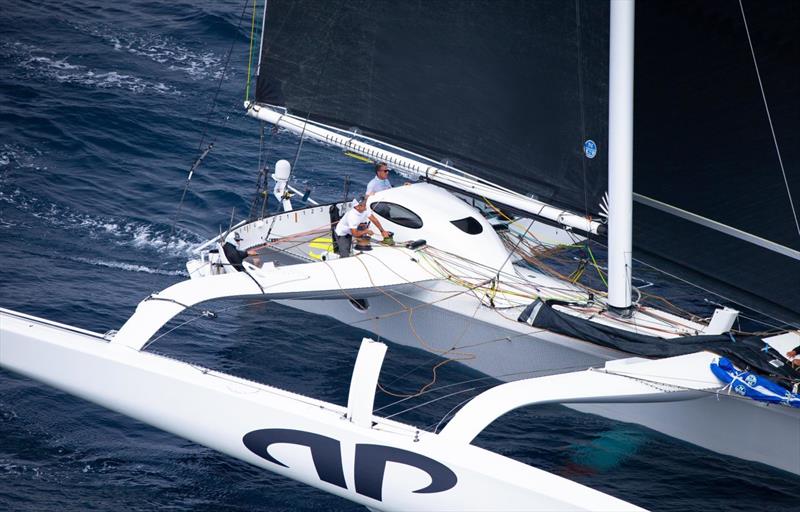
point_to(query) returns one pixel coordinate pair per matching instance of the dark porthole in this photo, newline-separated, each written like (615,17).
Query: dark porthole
(360,304)
(468,225)
(400,215)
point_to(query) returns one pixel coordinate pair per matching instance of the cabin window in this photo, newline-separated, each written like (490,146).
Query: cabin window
(468,225)
(400,215)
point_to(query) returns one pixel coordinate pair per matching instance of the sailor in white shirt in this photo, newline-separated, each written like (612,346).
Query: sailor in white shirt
(355,223)
(380,181)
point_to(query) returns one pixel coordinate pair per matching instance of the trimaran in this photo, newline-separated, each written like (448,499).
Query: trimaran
(460,281)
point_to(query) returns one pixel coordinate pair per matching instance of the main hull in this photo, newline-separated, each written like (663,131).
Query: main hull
(497,347)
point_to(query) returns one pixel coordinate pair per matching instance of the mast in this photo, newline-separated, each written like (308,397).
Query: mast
(620,154)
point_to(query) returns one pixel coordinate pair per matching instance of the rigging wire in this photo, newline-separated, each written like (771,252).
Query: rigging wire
(203,152)
(427,346)
(434,427)
(299,147)
(783,324)
(769,118)
(467,288)
(262,180)
(206,125)
(511,252)
(250,56)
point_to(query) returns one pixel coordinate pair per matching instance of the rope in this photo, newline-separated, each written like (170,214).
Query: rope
(769,118)
(657,385)
(783,324)
(409,311)
(511,253)
(261,179)
(206,125)
(250,56)
(299,147)
(221,78)
(596,266)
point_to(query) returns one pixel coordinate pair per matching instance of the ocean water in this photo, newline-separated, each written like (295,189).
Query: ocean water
(102,109)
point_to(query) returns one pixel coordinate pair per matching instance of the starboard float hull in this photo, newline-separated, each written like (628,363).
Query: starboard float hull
(725,424)
(299,437)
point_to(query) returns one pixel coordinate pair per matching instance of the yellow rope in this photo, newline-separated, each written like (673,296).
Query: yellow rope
(596,266)
(250,57)
(496,209)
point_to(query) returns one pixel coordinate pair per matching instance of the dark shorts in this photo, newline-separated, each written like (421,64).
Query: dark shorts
(344,243)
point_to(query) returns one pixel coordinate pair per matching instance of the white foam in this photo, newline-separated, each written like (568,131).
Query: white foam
(41,64)
(7,414)
(144,236)
(53,63)
(163,50)
(128,267)
(112,79)
(135,235)
(19,156)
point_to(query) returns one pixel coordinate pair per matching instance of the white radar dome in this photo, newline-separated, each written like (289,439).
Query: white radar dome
(282,170)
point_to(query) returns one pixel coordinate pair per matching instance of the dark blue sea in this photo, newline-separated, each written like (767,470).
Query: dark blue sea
(103,106)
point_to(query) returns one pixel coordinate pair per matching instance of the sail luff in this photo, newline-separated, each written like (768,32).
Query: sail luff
(620,153)
(261,43)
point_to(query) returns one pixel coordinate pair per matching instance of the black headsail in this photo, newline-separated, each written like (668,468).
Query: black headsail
(704,145)
(510,90)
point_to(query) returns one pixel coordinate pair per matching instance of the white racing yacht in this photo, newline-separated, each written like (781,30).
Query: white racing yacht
(464,276)
(470,283)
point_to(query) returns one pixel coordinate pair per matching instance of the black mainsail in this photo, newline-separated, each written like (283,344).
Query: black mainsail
(488,85)
(510,90)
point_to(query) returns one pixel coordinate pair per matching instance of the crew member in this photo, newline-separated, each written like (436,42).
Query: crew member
(349,226)
(380,181)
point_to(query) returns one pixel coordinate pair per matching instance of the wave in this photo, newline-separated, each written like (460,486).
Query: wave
(118,231)
(37,64)
(13,155)
(129,267)
(197,64)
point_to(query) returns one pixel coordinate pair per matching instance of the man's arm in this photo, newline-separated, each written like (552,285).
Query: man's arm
(358,233)
(375,221)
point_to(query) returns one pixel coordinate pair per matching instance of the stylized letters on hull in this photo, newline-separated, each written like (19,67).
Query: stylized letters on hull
(370,460)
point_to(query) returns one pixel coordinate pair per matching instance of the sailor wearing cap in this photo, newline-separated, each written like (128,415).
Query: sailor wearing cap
(355,223)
